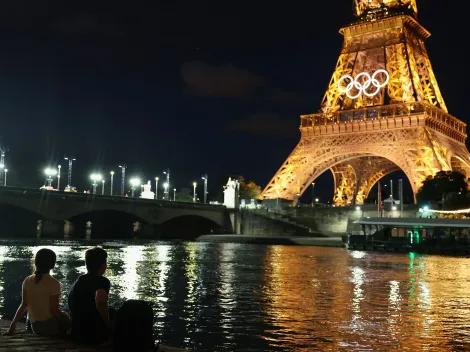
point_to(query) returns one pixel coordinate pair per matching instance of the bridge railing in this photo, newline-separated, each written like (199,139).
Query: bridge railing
(98,197)
(384,112)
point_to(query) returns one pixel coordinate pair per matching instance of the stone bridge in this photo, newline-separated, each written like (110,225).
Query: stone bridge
(79,208)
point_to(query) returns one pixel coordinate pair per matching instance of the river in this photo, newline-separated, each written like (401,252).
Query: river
(240,297)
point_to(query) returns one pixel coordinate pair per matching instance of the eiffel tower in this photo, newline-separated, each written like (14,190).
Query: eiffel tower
(383,111)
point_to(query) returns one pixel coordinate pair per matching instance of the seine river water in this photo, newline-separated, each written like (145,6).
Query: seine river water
(239,297)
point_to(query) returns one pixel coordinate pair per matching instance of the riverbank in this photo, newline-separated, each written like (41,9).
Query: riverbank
(23,341)
(284,240)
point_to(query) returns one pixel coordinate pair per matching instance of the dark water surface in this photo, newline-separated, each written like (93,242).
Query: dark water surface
(240,297)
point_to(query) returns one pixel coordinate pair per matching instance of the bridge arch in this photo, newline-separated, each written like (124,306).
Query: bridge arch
(189,227)
(105,223)
(18,220)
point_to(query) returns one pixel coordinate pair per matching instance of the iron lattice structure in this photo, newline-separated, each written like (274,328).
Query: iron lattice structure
(404,125)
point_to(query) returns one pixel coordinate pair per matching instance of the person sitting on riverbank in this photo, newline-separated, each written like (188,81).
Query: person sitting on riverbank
(88,301)
(40,298)
(133,329)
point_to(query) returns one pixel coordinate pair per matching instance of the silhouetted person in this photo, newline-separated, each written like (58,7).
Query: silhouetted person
(40,297)
(88,301)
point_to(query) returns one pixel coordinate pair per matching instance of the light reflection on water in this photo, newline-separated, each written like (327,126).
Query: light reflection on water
(227,297)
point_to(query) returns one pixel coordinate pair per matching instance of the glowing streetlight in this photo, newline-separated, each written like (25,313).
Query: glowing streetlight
(50,173)
(165,188)
(135,182)
(174,194)
(205,187)
(95,178)
(156,187)
(112,180)
(102,187)
(58,177)
(194,192)
(167,192)
(5,179)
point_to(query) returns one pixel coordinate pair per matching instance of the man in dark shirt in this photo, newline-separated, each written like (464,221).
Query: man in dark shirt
(88,300)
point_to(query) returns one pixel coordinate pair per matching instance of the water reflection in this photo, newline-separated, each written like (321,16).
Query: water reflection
(227,297)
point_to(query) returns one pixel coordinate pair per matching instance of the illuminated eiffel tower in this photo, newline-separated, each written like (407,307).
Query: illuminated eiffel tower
(383,111)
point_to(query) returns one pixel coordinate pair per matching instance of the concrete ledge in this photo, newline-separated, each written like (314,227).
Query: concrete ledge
(286,240)
(23,341)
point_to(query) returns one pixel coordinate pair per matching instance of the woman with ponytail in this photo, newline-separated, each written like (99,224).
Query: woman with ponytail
(40,297)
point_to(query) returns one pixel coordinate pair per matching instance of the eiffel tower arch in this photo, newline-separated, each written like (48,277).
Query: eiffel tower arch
(383,111)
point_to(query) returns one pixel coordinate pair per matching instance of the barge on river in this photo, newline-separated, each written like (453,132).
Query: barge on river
(422,235)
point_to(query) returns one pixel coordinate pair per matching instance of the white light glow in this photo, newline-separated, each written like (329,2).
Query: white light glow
(96,177)
(362,82)
(50,172)
(135,182)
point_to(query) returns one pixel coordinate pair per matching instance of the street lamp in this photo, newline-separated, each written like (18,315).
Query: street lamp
(156,188)
(95,178)
(2,167)
(205,187)
(135,182)
(50,173)
(58,177)
(165,188)
(174,194)
(194,192)
(102,187)
(313,193)
(71,159)
(167,173)
(5,179)
(112,180)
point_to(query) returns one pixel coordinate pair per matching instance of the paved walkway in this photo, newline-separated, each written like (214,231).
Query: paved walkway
(28,342)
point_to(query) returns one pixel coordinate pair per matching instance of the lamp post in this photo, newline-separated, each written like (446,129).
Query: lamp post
(205,187)
(174,194)
(135,182)
(2,169)
(71,159)
(102,187)
(58,177)
(167,190)
(313,194)
(156,188)
(112,181)
(194,192)
(50,173)
(5,178)
(95,178)
(123,178)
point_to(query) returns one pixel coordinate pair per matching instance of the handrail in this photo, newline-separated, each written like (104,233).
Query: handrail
(384,112)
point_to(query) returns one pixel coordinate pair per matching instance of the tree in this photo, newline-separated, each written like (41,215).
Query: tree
(455,201)
(436,188)
(248,189)
(184,195)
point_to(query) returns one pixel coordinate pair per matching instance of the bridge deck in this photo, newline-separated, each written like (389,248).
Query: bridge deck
(26,341)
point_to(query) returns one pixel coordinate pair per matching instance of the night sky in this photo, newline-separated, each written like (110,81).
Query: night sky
(194,86)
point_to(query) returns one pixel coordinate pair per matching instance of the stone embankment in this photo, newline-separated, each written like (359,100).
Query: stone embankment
(286,240)
(26,341)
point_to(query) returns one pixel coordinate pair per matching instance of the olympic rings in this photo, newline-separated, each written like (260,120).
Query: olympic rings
(362,84)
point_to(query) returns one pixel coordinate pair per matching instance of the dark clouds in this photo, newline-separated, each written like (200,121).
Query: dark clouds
(219,81)
(227,80)
(266,124)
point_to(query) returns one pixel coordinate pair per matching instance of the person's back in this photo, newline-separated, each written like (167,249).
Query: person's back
(39,292)
(133,330)
(88,301)
(40,298)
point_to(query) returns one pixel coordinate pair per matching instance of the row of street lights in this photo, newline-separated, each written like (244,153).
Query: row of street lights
(96,178)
